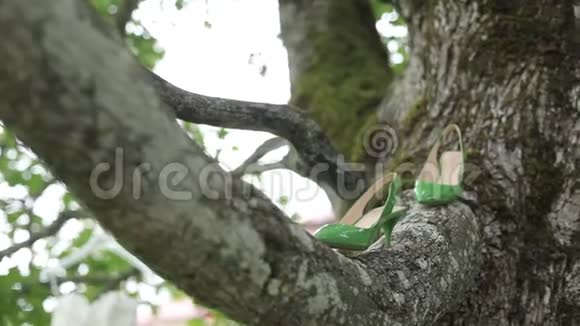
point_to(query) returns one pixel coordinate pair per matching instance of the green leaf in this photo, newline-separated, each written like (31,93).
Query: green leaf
(12,217)
(7,140)
(106,262)
(222,133)
(146,49)
(18,290)
(67,200)
(82,238)
(380,7)
(283,200)
(195,133)
(36,185)
(13,177)
(196,322)
(179,4)
(106,7)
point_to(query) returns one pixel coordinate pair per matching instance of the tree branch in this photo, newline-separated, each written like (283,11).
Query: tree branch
(50,230)
(214,236)
(262,150)
(314,148)
(432,263)
(114,282)
(290,161)
(107,282)
(100,279)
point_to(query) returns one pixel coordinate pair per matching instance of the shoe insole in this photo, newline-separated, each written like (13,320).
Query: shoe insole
(447,172)
(370,218)
(451,165)
(358,208)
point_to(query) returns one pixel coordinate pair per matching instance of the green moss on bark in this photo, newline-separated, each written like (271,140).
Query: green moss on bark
(415,113)
(358,152)
(346,76)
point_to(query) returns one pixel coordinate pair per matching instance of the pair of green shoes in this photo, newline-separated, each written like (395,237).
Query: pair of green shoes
(438,183)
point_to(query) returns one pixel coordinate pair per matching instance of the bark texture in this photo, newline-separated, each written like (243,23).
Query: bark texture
(339,72)
(339,68)
(507,72)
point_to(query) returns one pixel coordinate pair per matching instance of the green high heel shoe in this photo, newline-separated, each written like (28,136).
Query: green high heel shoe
(439,182)
(367,228)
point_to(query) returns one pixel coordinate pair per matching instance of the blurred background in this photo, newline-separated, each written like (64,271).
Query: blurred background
(224,48)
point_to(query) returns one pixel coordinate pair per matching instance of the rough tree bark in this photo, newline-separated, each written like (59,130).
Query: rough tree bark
(74,95)
(339,68)
(508,73)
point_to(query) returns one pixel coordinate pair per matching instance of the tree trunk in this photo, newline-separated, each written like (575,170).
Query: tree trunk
(507,72)
(339,68)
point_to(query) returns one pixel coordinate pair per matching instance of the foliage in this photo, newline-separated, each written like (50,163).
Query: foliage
(107,8)
(179,4)
(30,198)
(145,48)
(21,298)
(139,40)
(380,7)
(25,299)
(396,44)
(21,294)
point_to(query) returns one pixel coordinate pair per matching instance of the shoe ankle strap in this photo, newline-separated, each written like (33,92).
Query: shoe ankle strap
(433,154)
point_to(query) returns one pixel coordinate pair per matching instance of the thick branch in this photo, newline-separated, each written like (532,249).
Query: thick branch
(214,236)
(430,266)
